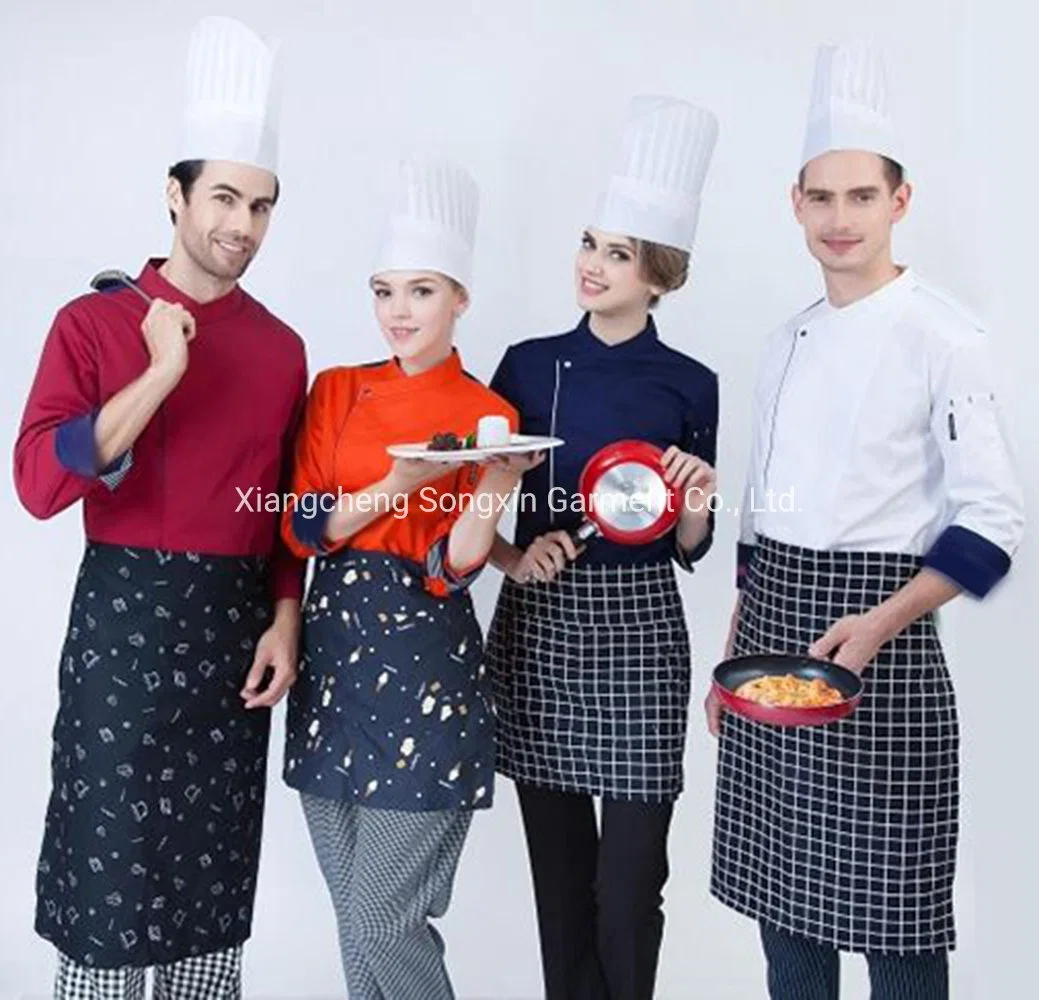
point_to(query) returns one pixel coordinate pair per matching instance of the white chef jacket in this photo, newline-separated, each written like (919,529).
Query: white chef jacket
(876,427)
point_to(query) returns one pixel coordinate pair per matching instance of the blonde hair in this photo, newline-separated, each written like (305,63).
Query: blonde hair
(663,266)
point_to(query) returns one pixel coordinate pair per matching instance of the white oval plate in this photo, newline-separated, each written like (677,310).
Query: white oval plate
(521,444)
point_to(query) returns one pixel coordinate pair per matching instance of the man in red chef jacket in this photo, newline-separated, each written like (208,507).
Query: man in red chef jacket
(160,403)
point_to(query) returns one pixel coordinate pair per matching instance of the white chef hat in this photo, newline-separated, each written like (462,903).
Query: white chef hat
(850,104)
(431,224)
(231,107)
(654,190)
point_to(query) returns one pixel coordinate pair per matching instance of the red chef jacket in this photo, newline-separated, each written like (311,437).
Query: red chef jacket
(192,481)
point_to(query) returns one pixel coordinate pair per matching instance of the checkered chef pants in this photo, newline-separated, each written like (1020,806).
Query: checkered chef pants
(205,977)
(389,874)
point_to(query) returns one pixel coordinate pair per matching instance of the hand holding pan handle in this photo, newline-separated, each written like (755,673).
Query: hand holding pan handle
(161,319)
(626,498)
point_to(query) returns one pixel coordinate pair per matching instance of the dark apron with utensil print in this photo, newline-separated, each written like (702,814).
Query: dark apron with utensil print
(392,707)
(153,828)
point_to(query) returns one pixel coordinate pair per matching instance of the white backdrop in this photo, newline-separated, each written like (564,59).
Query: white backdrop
(529,96)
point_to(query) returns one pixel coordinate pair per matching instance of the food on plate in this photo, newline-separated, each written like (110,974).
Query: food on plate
(449,441)
(789,691)
(492,431)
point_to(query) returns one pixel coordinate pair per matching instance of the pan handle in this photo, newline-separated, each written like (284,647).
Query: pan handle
(583,533)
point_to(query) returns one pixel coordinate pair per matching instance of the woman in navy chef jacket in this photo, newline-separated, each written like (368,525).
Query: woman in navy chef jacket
(588,647)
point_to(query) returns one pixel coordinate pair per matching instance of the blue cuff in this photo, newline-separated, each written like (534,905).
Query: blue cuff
(76,450)
(687,559)
(744,554)
(436,569)
(308,525)
(968,559)
(75,446)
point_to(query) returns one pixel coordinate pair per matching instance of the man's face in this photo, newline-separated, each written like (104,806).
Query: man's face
(847,209)
(223,223)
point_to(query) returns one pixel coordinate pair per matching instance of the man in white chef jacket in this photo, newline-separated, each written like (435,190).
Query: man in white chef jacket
(876,409)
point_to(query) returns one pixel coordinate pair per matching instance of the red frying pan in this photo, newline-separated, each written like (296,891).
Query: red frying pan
(729,675)
(625,496)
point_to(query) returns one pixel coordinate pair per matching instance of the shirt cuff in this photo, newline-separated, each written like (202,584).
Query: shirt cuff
(968,559)
(441,579)
(309,520)
(744,554)
(687,558)
(76,450)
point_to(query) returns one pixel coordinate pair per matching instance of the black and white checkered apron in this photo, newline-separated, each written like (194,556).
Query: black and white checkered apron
(152,836)
(845,833)
(592,681)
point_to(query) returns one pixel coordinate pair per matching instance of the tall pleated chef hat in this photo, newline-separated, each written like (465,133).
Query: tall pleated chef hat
(850,104)
(233,93)
(431,223)
(654,190)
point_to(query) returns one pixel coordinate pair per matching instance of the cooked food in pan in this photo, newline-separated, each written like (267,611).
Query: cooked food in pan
(789,691)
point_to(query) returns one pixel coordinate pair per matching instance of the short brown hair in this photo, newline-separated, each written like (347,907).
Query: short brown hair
(664,266)
(894,174)
(186,172)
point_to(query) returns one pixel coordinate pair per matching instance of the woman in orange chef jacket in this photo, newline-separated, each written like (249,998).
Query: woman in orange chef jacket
(390,730)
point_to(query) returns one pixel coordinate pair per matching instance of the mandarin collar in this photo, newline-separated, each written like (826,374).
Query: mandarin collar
(886,297)
(152,282)
(588,344)
(396,381)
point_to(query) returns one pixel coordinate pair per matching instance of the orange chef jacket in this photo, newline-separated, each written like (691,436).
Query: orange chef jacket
(352,415)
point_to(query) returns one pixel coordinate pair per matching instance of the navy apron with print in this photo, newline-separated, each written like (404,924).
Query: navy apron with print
(153,827)
(392,707)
